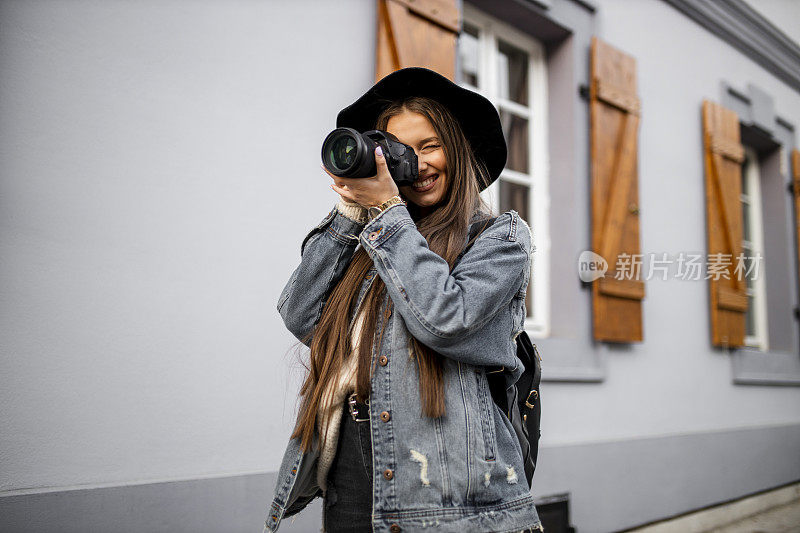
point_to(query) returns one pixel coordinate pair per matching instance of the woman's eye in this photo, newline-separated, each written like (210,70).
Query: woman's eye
(431,146)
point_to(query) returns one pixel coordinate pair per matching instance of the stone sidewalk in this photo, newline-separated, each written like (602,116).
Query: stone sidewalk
(783,519)
(774,511)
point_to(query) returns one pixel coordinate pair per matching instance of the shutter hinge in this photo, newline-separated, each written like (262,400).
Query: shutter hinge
(797,312)
(583,90)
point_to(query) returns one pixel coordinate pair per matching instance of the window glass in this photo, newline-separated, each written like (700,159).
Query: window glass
(504,65)
(512,69)
(750,326)
(468,54)
(515,196)
(515,130)
(750,271)
(746,223)
(745,170)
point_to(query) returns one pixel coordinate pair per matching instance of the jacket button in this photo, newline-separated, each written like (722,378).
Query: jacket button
(385,416)
(382,360)
(374,235)
(394,528)
(388,474)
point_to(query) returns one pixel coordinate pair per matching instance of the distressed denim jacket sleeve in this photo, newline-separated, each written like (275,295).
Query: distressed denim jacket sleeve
(325,254)
(445,309)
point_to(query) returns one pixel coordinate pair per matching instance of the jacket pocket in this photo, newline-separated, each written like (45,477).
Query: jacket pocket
(486,406)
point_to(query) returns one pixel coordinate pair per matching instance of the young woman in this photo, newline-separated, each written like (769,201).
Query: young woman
(397,429)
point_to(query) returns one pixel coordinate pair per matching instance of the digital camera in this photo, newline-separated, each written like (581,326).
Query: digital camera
(349,154)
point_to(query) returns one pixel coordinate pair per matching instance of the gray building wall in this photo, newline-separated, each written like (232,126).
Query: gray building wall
(159,170)
(160,166)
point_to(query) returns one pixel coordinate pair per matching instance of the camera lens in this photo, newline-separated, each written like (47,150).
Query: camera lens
(342,153)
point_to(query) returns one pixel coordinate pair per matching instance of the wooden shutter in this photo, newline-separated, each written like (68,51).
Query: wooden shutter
(796,193)
(724,154)
(417,33)
(614,115)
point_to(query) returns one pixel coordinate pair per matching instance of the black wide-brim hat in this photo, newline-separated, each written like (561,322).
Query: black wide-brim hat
(476,115)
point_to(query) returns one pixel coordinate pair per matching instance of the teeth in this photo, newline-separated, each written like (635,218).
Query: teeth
(425,183)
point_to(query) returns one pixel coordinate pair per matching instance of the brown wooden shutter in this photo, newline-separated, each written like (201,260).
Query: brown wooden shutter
(724,155)
(417,33)
(796,194)
(614,113)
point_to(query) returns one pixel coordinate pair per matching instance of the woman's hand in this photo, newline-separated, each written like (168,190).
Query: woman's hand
(367,191)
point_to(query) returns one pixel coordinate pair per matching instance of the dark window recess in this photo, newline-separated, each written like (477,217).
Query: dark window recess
(554,513)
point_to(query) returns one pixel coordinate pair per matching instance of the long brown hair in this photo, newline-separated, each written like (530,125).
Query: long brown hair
(445,229)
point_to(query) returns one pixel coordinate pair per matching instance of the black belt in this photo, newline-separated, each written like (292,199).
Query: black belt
(359,411)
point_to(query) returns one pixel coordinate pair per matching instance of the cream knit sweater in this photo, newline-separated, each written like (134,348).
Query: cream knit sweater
(329,415)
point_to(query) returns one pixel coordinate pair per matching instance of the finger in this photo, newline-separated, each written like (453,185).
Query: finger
(328,172)
(379,159)
(338,180)
(380,163)
(343,193)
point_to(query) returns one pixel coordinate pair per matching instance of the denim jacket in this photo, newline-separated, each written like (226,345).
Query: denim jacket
(462,472)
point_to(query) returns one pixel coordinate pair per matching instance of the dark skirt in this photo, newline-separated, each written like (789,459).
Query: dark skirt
(347,506)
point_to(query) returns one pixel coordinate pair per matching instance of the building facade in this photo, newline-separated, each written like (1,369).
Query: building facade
(160,169)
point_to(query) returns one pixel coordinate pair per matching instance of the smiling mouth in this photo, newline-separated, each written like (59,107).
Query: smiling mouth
(426,184)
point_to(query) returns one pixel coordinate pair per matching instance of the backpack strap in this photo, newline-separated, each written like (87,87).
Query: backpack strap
(476,228)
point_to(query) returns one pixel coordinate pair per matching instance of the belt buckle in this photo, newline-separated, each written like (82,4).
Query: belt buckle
(351,400)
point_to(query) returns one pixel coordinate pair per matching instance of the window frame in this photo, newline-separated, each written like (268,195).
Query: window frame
(755,248)
(490,30)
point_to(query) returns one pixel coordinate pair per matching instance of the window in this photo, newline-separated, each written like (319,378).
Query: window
(508,67)
(752,250)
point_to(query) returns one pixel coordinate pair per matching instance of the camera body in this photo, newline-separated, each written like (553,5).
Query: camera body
(349,154)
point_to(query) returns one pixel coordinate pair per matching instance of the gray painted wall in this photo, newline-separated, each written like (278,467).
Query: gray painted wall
(160,166)
(159,169)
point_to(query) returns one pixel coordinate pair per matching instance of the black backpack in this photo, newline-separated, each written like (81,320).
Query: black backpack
(520,403)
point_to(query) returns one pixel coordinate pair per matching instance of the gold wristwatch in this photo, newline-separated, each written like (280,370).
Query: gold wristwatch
(375,210)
